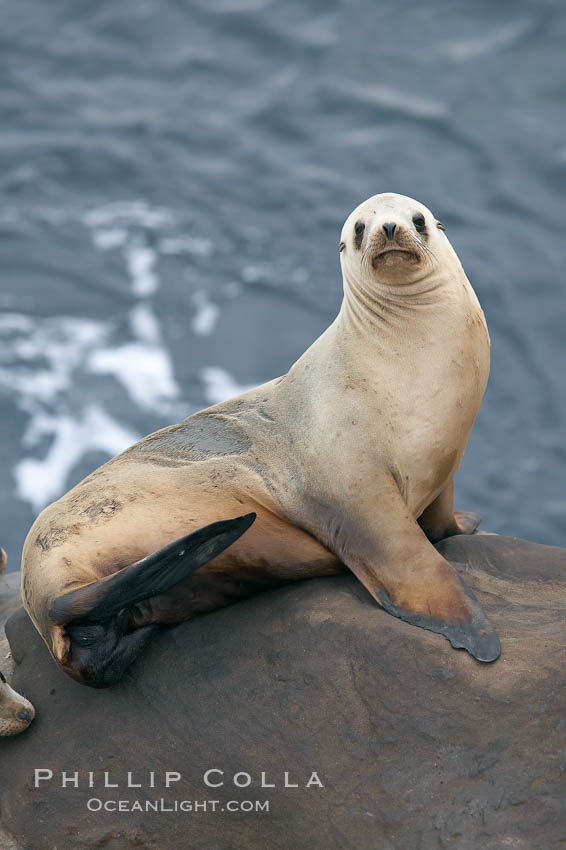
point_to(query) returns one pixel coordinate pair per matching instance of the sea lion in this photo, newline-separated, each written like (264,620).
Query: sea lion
(16,712)
(346,460)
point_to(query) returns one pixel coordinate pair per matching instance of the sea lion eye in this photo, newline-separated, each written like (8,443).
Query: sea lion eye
(2,679)
(359,228)
(419,222)
(440,225)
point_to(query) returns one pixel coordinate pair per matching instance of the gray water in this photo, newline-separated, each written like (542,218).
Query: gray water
(173,180)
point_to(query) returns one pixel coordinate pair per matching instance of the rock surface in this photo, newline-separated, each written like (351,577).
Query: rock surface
(417,745)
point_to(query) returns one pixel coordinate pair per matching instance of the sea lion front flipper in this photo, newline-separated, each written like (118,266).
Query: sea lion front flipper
(407,576)
(440,520)
(476,636)
(155,574)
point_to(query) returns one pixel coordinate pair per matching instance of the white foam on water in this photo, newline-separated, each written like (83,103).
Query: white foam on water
(112,237)
(220,385)
(198,246)
(124,225)
(141,261)
(144,370)
(44,362)
(38,357)
(206,315)
(137,212)
(144,324)
(40,385)
(39,481)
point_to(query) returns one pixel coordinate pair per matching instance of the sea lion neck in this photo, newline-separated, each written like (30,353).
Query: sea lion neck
(370,302)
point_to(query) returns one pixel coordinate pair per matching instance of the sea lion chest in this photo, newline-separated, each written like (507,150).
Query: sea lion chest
(431,395)
(399,405)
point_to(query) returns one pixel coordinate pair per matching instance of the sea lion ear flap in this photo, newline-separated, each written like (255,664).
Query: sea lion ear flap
(155,574)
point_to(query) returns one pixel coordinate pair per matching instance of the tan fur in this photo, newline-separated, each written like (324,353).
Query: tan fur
(12,704)
(339,458)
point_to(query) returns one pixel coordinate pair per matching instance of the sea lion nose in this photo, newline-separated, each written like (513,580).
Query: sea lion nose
(389,229)
(25,714)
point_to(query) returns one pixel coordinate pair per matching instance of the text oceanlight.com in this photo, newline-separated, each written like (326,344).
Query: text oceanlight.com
(187,806)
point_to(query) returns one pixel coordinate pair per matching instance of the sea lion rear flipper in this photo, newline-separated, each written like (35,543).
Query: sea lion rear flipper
(467,521)
(440,520)
(152,575)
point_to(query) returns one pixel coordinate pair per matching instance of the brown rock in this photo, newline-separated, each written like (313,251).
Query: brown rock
(417,745)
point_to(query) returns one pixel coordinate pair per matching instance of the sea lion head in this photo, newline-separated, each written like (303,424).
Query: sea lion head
(16,712)
(392,239)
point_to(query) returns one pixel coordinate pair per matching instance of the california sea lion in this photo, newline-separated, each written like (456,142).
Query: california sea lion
(346,460)
(16,712)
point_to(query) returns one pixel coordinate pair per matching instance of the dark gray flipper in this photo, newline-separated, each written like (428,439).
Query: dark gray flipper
(477,636)
(151,576)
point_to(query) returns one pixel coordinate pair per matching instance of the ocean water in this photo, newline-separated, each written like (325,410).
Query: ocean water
(173,180)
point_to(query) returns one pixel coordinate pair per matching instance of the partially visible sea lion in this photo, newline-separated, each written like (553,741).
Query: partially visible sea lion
(16,712)
(347,460)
